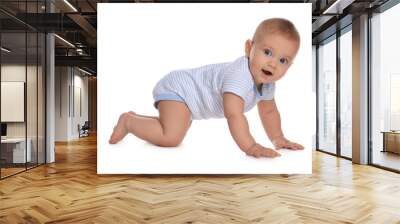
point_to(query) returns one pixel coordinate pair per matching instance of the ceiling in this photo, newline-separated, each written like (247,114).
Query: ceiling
(76,22)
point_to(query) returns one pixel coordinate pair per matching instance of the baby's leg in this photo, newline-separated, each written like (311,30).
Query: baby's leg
(133,113)
(167,130)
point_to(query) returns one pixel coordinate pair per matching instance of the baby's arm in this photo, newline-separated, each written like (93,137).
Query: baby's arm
(271,121)
(239,127)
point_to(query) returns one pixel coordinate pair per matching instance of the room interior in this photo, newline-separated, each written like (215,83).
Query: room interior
(49,123)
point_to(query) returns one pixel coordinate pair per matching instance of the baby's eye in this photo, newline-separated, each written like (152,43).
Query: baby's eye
(268,52)
(283,61)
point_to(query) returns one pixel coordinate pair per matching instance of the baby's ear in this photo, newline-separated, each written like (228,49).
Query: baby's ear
(247,47)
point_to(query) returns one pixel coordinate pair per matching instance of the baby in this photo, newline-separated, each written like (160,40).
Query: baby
(223,90)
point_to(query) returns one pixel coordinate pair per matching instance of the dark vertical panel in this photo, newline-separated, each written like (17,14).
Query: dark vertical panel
(369,78)
(0,99)
(45,87)
(37,91)
(338,97)
(26,79)
(60,86)
(73,91)
(317,95)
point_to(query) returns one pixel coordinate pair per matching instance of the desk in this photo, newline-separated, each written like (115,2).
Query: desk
(15,148)
(391,141)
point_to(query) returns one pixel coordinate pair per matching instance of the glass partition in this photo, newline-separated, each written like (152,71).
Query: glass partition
(327,96)
(22,77)
(13,91)
(385,89)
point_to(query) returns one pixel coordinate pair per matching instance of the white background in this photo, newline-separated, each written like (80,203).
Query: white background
(140,43)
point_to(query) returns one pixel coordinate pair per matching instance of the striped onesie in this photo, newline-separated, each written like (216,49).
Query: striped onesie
(202,89)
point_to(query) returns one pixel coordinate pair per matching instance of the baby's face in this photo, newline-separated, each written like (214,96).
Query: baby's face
(270,57)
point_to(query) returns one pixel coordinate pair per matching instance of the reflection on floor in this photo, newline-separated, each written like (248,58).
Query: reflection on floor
(386,159)
(10,169)
(346,151)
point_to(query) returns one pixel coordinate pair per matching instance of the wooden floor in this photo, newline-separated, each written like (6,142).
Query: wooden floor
(70,191)
(387,159)
(5,172)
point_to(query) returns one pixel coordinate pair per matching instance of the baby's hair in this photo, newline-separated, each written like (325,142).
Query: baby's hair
(277,25)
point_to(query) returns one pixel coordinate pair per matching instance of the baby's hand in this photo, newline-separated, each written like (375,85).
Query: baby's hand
(283,143)
(259,151)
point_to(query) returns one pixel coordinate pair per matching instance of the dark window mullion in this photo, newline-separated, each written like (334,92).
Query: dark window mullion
(26,86)
(338,91)
(0,99)
(37,90)
(317,95)
(369,90)
(44,70)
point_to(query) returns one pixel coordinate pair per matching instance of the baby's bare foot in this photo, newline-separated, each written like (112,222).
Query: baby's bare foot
(120,130)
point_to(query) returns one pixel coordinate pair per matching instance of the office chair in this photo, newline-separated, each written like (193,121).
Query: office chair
(84,130)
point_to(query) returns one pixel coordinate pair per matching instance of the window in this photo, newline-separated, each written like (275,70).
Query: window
(327,96)
(385,89)
(346,93)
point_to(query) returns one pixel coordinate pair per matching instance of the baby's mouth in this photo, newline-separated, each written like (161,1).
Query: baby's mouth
(266,72)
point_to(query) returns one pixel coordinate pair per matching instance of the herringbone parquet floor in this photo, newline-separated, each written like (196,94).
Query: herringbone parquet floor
(70,191)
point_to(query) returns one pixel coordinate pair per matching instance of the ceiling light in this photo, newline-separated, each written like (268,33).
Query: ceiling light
(64,40)
(70,5)
(338,6)
(79,51)
(84,71)
(5,49)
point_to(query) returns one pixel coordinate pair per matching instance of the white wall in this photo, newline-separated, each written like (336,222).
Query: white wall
(61,103)
(80,84)
(70,83)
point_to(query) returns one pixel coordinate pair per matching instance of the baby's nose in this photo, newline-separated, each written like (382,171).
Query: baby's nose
(273,62)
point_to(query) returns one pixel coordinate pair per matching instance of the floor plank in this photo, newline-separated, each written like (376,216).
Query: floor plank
(70,191)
